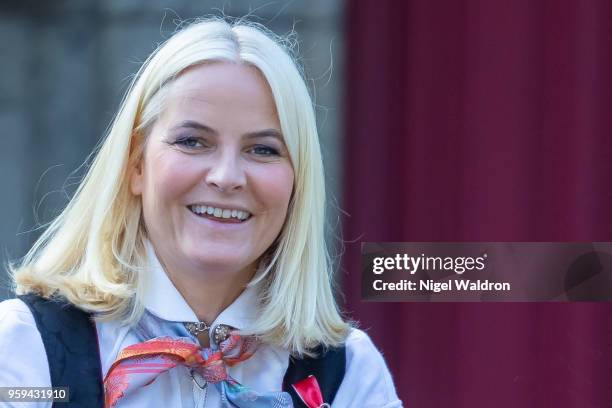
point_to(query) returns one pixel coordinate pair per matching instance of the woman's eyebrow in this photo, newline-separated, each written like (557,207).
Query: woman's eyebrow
(264,133)
(195,125)
(249,135)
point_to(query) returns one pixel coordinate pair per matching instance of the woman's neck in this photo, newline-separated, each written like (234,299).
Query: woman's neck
(209,297)
(208,293)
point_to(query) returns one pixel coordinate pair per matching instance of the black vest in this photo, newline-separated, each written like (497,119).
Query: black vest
(70,339)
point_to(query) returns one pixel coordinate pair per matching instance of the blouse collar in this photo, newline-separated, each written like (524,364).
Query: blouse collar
(162,299)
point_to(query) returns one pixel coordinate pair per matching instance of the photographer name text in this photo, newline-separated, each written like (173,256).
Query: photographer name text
(413,264)
(437,287)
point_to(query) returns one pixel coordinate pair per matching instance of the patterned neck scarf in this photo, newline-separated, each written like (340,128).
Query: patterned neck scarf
(139,365)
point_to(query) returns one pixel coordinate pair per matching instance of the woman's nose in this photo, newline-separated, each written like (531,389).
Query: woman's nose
(225,172)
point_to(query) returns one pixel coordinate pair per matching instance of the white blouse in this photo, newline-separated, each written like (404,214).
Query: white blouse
(367,382)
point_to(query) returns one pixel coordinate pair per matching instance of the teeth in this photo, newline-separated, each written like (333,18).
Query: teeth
(219,212)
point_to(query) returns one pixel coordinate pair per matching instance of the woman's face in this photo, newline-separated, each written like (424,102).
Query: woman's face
(216,178)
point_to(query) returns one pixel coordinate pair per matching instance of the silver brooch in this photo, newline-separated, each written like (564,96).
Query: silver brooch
(196,328)
(220,333)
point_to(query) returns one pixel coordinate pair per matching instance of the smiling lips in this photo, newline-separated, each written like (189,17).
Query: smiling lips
(220,214)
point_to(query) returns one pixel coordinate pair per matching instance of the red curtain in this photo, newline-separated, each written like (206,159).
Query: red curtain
(481,121)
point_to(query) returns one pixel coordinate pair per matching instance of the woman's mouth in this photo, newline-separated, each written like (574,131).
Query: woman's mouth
(228,215)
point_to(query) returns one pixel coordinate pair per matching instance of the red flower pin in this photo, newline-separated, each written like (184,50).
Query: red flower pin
(310,393)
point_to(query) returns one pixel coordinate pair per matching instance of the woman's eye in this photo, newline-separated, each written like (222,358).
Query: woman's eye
(189,142)
(262,150)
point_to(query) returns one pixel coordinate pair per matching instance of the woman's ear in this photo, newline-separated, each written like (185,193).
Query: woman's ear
(136,178)
(136,164)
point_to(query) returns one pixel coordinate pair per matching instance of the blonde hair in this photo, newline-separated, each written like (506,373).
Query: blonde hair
(94,251)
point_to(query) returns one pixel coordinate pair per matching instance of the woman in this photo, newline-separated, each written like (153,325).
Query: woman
(196,243)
